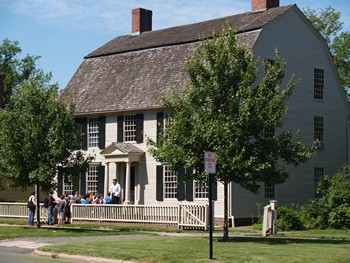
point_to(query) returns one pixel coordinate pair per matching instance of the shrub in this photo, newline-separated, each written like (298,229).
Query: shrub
(314,215)
(288,219)
(333,209)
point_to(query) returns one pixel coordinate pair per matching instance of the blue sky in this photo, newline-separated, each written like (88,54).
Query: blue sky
(62,32)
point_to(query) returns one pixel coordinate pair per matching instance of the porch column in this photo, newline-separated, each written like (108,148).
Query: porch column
(127,184)
(107,179)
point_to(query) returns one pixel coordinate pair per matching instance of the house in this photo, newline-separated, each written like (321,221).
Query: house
(117,89)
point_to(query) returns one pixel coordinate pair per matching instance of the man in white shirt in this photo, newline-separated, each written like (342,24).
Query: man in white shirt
(115,191)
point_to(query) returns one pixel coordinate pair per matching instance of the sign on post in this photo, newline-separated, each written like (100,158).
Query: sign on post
(209,162)
(210,168)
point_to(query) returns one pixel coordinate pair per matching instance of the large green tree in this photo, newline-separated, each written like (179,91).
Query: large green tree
(14,68)
(328,22)
(38,133)
(225,109)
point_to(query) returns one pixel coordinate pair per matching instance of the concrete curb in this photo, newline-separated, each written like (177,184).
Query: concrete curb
(78,258)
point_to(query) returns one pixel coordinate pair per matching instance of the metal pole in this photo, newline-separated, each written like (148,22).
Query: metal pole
(210,218)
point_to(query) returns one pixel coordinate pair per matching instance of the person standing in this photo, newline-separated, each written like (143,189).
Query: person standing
(60,209)
(52,204)
(31,207)
(115,191)
(108,199)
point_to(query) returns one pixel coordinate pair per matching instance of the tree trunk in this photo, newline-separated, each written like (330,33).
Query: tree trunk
(225,237)
(37,190)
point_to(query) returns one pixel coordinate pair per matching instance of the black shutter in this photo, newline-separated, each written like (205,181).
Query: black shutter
(83,184)
(181,191)
(78,128)
(139,128)
(189,186)
(101,132)
(60,181)
(160,124)
(84,136)
(76,184)
(159,183)
(120,129)
(101,179)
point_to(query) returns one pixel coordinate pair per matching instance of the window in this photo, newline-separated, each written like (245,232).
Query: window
(92,179)
(93,132)
(318,83)
(68,186)
(318,173)
(201,189)
(269,190)
(167,124)
(268,132)
(318,128)
(129,128)
(170,183)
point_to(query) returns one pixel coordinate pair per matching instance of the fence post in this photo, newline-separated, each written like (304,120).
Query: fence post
(273,204)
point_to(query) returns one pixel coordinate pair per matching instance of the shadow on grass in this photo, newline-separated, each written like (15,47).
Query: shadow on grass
(283,240)
(84,230)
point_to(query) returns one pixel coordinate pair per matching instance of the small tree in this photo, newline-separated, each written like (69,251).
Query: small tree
(37,135)
(224,109)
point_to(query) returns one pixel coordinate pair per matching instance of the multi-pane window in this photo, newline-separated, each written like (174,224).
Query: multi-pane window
(93,132)
(201,189)
(318,129)
(170,183)
(68,186)
(318,83)
(268,63)
(318,173)
(129,128)
(91,180)
(168,121)
(269,190)
(269,132)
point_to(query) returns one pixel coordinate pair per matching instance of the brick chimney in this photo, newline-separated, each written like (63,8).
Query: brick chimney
(141,21)
(261,5)
(2,79)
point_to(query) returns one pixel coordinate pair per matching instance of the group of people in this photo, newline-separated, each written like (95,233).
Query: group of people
(61,209)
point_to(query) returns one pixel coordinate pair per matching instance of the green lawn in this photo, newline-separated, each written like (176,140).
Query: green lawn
(296,246)
(195,249)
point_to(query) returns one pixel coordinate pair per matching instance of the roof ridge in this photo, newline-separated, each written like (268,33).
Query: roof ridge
(188,33)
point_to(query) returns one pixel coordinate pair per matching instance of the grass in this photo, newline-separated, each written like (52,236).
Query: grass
(195,249)
(290,247)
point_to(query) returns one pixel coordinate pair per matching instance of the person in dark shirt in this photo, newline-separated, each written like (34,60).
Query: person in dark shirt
(52,204)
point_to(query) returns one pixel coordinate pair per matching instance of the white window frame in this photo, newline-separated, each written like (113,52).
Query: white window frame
(92,179)
(201,190)
(318,83)
(129,128)
(268,132)
(68,186)
(269,190)
(93,133)
(318,128)
(318,174)
(170,181)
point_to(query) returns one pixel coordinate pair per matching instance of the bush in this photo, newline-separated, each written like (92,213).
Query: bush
(314,215)
(333,209)
(288,219)
(340,217)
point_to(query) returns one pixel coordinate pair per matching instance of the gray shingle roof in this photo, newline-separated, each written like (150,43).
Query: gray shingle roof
(133,72)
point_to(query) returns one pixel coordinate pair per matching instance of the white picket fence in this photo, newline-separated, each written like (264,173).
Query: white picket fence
(183,215)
